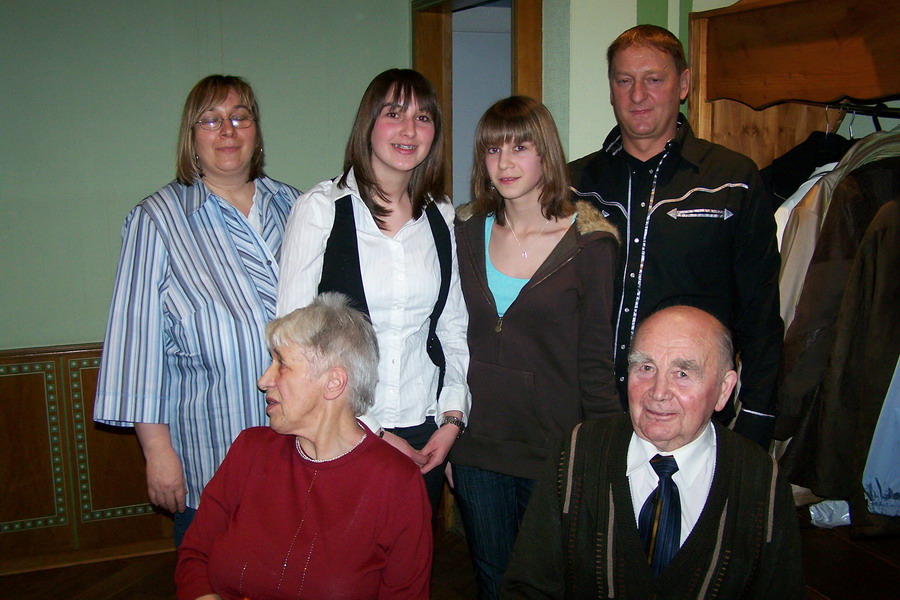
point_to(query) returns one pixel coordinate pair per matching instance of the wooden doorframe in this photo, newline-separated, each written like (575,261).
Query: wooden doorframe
(432,53)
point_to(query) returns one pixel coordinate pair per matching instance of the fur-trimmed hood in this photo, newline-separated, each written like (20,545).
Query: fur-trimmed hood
(588,221)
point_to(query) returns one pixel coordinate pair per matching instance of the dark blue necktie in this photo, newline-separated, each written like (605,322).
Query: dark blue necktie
(660,518)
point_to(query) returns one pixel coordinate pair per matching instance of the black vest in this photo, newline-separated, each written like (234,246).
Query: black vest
(341,271)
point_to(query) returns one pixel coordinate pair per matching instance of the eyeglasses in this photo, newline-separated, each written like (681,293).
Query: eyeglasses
(237,121)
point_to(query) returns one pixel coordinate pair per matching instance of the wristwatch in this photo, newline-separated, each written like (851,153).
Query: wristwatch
(449,420)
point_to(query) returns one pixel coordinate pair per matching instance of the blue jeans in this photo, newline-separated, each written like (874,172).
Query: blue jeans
(182,522)
(492,506)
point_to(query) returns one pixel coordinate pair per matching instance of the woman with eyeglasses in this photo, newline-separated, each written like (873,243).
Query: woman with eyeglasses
(381,233)
(195,286)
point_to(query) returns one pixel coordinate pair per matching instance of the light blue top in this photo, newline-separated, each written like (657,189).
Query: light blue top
(185,341)
(504,288)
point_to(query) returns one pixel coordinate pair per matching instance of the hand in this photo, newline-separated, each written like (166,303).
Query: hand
(403,446)
(438,447)
(165,481)
(209,597)
(165,475)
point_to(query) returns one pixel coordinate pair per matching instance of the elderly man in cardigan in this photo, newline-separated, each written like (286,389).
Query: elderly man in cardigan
(662,502)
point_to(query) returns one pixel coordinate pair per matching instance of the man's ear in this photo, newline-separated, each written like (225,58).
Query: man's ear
(684,84)
(335,382)
(729,380)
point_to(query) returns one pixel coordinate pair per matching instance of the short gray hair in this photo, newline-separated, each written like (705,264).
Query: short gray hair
(332,334)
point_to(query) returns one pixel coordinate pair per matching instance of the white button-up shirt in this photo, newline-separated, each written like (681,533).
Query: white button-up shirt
(696,466)
(401,277)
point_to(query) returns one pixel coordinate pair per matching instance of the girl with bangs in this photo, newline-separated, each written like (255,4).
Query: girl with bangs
(537,276)
(381,234)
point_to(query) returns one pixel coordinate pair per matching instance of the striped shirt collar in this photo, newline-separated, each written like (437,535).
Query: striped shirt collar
(198,194)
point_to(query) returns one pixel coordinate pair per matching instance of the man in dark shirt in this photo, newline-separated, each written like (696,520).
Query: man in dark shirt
(695,223)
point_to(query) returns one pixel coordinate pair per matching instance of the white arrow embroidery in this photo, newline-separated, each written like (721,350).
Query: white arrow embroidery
(703,213)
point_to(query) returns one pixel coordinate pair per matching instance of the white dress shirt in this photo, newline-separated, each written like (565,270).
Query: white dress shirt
(401,277)
(696,466)
(253,216)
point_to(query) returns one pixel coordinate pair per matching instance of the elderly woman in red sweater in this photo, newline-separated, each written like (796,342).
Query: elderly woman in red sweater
(316,506)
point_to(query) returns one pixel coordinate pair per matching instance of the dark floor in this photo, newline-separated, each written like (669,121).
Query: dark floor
(836,568)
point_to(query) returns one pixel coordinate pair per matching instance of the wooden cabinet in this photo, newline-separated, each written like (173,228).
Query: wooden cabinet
(757,64)
(74,491)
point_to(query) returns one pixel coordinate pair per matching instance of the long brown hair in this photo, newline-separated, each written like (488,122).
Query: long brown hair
(398,86)
(520,119)
(208,92)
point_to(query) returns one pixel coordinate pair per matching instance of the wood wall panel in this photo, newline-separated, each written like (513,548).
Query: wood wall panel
(433,57)
(771,53)
(35,508)
(75,490)
(527,49)
(110,469)
(764,135)
(28,479)
(763,52)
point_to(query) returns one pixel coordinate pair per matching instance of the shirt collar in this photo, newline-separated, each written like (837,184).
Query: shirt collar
(681,144)
(351,182)
(198,194)
(368,225)
(690,457)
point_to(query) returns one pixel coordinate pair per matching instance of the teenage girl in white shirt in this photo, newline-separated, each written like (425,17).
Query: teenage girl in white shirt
(393,169)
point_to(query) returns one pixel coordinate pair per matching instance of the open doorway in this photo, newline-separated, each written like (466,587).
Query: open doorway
(482,74)
(475,52)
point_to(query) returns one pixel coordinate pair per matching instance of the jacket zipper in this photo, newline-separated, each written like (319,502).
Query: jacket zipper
(499,326)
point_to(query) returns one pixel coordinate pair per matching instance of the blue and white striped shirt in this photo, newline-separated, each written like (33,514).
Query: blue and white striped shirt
(185,340)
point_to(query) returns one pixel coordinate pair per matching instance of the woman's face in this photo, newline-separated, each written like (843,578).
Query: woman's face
(226,153)
(516,170)
(294,393)
(401,140)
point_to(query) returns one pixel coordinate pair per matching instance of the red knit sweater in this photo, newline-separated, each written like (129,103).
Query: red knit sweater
(273,524)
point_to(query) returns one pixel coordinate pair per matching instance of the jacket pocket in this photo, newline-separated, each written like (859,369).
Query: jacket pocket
(504,407)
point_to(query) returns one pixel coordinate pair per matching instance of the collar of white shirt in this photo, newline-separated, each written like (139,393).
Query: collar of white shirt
(696,466)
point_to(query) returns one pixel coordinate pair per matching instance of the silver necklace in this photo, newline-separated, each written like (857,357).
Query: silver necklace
(515,237)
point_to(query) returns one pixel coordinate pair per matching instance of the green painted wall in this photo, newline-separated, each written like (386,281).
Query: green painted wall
(653,12)
(91,95)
